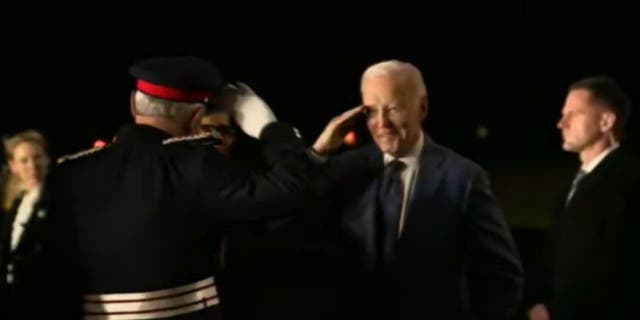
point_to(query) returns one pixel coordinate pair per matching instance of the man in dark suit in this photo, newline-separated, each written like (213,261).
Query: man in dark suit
(594,270)
(137,225)
(427,238)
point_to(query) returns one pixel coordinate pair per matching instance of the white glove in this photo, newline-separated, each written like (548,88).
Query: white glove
(250,112)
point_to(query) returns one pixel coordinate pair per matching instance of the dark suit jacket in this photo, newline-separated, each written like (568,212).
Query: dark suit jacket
(21,294)
(455,259)
(596,258)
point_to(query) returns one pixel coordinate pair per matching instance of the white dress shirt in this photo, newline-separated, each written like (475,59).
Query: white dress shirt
(588,167)
(412,161)
(25,210)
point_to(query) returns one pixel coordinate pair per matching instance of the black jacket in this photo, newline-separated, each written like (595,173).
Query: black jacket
(148,212)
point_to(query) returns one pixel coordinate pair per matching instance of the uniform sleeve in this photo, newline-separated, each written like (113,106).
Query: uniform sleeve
(235,193)
(61,284)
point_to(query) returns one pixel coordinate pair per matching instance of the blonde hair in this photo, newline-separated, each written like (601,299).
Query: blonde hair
(11,186)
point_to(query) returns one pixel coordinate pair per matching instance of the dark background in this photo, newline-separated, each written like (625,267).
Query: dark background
(66,75)
(64,72)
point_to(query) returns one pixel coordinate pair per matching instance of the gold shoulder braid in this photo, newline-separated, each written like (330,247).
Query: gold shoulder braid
(200,136)
(80,154)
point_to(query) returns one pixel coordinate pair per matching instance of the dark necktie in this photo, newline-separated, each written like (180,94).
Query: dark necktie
(575,183)
(390,198)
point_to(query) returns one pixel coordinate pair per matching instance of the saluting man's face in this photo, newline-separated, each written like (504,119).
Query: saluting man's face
(29,162)
(394,114)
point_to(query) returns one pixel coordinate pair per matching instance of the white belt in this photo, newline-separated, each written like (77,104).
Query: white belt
(152,304)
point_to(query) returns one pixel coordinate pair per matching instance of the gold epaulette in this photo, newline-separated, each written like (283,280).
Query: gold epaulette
(200,136)
(80,154)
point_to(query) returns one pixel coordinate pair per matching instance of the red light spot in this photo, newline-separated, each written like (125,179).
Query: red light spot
(99,143)
(351,139)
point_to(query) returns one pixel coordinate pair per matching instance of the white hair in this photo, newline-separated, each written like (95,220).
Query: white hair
(405,72)
(151,106)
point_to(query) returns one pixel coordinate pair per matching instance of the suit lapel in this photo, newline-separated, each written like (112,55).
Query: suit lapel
(7,225)
(593,179)
(429,178)
(360,213)
(363,181)
(33,226)
(11,217)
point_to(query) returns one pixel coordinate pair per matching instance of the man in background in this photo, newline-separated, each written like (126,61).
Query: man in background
(593,270)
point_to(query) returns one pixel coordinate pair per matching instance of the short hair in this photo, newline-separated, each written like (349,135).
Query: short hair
(608,92)
(404,71)
(151,106)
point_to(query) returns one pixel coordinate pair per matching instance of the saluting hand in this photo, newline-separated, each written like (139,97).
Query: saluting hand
(333,134)
(250,112)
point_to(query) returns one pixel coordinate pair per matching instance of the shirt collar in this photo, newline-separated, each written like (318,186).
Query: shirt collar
(32,195)
(588,167)
(412,157)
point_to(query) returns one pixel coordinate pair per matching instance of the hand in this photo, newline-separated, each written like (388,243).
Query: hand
(333,134)
(250,112)
(538,312)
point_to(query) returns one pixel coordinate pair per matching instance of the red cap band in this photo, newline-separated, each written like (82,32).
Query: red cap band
(168,93)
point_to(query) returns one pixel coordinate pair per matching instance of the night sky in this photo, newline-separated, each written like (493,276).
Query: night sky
(72,83)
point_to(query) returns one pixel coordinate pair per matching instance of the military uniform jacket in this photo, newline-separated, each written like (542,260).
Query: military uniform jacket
(143,214)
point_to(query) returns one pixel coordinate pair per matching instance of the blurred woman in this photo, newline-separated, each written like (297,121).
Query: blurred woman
(24,201)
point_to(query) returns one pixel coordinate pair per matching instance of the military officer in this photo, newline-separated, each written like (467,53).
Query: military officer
(136,224)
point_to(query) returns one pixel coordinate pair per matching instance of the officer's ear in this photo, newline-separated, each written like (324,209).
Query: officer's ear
(132,104)
(195,121)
